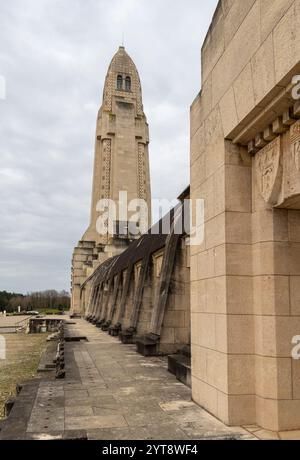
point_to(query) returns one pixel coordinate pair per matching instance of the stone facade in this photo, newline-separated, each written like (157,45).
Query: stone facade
(121,164)
(135,288)
(236,296)
(143,295)
(245,164)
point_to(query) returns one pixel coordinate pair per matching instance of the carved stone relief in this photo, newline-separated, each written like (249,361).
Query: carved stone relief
(142,194)
(269,172)
(292,164)
(277,170)
(106,167)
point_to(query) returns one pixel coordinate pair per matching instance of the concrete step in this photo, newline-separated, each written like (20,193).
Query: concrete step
(180,366)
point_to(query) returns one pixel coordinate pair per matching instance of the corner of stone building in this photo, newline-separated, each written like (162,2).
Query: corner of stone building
(245,302)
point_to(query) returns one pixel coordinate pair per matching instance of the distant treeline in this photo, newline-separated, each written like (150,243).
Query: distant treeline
(34,301)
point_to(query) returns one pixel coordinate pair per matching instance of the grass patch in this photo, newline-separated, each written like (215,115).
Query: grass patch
(23,353)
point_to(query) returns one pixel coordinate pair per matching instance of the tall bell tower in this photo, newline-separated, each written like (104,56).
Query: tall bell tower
(122,137)
(121,164)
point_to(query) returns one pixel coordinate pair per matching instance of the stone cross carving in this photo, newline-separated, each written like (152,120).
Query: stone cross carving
(91,300)
(96,303)
(102,301)
(125,293)
(138,298)
(114,298)
(105,305)
(163,286)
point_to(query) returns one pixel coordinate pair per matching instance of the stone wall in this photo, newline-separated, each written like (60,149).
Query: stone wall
(176,324)
(144,294)
(244,277)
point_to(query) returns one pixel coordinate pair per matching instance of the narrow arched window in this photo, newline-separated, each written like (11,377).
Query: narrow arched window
(120,82)
(128,84)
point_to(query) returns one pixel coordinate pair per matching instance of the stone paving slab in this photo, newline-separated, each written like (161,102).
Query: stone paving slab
(112,393)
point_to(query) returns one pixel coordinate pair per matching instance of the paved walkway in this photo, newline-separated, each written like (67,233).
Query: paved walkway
(112,393)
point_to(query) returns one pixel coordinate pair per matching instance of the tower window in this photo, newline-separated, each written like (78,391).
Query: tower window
(128,84)
(120,82)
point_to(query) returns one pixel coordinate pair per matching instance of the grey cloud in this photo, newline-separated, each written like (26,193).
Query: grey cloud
(54,56)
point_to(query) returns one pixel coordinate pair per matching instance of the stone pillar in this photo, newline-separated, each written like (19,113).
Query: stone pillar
(221,283)
(245,286)
(82,263)
(276,269)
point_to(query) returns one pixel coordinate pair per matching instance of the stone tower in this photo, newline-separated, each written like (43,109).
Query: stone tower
(121,164)
(122,137)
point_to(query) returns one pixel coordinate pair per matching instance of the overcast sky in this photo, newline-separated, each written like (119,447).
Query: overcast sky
(54,56)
